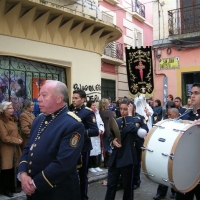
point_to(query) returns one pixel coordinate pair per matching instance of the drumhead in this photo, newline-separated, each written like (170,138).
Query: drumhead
(182,141)
(185,167)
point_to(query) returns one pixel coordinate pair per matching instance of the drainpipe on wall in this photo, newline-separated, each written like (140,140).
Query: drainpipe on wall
(158,20)
(165,80)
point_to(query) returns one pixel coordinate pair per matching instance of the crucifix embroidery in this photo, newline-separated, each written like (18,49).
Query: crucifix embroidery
(140,67)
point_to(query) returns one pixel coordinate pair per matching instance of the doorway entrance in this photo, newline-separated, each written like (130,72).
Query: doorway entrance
(187,80)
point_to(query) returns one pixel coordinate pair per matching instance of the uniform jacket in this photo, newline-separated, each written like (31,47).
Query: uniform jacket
(190,115)
(181,110)
(9,142)
(142,122)
(26,119)
(89,120)
(50,158)
(126,155)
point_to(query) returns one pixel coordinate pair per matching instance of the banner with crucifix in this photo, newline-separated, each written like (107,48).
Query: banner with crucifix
(140,71)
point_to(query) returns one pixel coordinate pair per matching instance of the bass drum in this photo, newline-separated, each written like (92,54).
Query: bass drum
(171,154)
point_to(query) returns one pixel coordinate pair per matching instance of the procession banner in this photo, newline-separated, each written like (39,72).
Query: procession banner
(140,71)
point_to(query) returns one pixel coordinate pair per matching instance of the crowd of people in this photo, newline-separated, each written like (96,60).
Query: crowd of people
(51,154)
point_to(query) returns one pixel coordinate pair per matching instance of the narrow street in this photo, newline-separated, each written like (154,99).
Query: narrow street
(146,191)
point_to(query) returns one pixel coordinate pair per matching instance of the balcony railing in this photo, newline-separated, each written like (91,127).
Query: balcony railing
(138,8)
(114,50)
(184,20)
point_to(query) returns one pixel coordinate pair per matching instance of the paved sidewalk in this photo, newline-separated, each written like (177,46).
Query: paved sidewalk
(92,177)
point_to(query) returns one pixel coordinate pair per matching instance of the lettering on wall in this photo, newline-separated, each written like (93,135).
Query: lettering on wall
(93,92)
(169,63)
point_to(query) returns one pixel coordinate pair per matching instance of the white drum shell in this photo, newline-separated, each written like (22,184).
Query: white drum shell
(180,140)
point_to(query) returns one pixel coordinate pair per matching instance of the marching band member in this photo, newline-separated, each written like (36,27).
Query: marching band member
(194,115)
(123,157)
(91,130)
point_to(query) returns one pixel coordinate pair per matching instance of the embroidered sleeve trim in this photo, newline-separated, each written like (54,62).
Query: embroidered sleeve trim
(23,161)
(47,179)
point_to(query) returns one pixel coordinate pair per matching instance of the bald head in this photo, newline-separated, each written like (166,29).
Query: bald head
(173,113)
(59,88)
(53,96)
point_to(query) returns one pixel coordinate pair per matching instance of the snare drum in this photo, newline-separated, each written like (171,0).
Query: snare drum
(171,154)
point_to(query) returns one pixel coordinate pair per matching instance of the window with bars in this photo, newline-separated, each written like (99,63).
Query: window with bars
(108,89)
(21,79)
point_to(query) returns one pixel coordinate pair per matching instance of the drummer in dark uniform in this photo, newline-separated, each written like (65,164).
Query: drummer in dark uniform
(124,154)
(47,169)
(194,115)
(91,130)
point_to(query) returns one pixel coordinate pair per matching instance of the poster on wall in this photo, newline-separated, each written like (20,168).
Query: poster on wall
(37,83)
(13,88)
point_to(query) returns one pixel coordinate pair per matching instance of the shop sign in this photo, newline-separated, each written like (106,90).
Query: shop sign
(169,63)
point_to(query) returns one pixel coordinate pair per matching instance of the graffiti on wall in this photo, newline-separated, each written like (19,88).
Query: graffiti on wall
(93,92)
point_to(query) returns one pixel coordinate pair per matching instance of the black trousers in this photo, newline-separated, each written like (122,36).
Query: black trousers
(94,161)
(83,175)
(8,180)
(127,182)
(162,190)
(137,167)
(189,195)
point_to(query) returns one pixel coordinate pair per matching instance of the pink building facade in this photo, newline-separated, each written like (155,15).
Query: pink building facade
(135,20)
(176,51)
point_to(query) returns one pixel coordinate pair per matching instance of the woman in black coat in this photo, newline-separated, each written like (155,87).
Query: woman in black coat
(157,111)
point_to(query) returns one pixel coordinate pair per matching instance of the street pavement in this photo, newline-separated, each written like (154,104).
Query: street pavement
(97,191)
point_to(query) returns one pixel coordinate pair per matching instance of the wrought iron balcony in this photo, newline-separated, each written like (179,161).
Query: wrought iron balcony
(184,20)
(114,50)
(138,8)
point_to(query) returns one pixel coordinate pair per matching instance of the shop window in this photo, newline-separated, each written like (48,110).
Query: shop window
(21,79)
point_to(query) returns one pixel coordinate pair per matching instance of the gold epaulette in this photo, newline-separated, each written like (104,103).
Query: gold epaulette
(88,108)
(74,116)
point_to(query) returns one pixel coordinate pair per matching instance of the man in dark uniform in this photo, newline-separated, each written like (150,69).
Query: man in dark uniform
(178,105)
(194,115)
(138,144)
(91,130)
(47,169)
(124,154)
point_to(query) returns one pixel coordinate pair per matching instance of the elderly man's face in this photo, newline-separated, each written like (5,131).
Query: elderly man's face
(47,99)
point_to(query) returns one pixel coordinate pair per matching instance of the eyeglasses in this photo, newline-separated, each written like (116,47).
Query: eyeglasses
(194,93)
